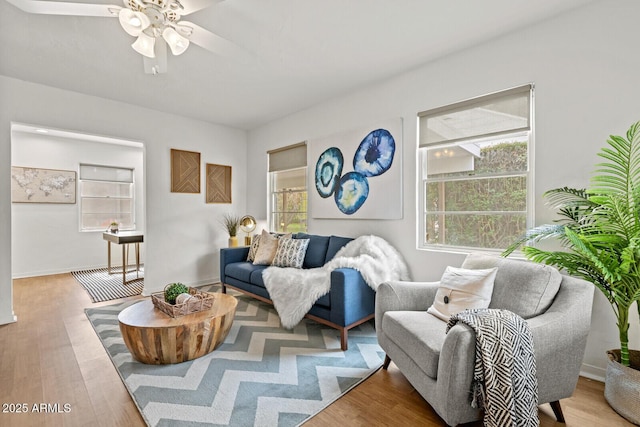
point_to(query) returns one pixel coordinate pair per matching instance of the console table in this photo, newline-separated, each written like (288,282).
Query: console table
(124,239)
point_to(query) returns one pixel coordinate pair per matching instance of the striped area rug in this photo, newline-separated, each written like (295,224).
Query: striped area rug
(102,286)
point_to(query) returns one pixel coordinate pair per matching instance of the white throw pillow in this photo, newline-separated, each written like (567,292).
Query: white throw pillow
(461,289)
(268,247)
(290,253)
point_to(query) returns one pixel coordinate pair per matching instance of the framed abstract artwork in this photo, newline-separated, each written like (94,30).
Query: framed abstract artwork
(37,185)
(218,184)
(357,174)
(185,171)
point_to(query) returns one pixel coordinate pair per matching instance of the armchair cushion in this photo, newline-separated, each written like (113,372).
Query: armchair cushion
(461,289)
(535,285)
(420,336)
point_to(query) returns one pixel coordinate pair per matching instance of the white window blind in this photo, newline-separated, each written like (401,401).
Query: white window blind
(106,173)
(290,157)
(491,115)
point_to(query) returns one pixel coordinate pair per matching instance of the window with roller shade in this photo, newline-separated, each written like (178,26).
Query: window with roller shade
(475,175)
(288,189)
(106,195)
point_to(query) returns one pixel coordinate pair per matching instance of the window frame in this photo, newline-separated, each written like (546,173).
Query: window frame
(274,212)
(421,173)
(288,158)
(82,180)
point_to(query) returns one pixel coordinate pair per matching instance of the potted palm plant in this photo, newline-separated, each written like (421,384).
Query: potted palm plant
(599,230)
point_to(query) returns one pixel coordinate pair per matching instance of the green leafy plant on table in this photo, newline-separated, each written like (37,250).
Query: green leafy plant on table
(231,223)
(599,230)
(172,291)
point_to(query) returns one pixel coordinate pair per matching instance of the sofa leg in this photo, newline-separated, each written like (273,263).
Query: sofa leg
(557,411)
(387,360)
(224,288)
(344,341)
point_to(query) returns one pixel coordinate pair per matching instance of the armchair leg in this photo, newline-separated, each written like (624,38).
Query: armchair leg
(387,360)
(557,411)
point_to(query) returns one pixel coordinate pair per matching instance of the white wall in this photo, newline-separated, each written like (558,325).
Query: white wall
(183,235)
(46,237)
(586,87)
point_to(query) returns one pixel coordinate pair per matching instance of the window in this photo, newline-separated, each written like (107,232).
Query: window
(106,195)
(475,175)
(288,189)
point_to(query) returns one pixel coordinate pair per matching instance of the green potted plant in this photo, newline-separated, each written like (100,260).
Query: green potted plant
(113,227)
(599,230)
(231,223)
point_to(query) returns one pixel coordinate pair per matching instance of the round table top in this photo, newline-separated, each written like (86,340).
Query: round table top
(144,315)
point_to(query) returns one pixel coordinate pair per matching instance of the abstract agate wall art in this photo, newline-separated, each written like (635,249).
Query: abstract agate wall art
(358,174)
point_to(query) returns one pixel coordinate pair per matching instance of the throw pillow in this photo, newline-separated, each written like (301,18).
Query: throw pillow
(461,289)
(290,253)
(268,247)
(255,242)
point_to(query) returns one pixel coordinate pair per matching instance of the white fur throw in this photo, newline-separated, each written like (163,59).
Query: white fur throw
(294,291)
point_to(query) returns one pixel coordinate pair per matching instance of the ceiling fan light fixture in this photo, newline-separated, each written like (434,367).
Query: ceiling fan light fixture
(144,45)
(176,42)
(133,22)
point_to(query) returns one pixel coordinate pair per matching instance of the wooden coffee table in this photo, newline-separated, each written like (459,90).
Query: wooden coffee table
(156,338)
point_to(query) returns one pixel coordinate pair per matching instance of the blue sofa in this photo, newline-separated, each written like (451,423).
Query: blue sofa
(349,303)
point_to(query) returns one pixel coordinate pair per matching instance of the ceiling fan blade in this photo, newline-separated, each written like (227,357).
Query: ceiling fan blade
(190,6)
(66,8)
(210,41)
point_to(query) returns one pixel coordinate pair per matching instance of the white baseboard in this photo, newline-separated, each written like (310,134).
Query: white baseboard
(51,272)
(593,372)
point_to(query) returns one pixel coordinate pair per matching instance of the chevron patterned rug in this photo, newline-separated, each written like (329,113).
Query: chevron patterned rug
(262,375)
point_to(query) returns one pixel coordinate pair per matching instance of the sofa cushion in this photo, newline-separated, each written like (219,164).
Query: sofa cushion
(268,247)
(253,249)
(316,251)
(242,270)
(290,253)
(256,276)
(335,244)
(420,335)
(461,289)
(523,287)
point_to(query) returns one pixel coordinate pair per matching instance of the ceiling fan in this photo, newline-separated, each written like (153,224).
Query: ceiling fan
(156,24)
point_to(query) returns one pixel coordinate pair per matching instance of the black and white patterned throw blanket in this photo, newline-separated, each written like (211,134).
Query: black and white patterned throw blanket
(504,379)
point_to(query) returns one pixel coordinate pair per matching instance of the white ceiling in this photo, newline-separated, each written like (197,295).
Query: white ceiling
(298,52)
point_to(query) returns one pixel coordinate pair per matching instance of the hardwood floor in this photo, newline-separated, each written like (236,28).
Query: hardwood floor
(52,356)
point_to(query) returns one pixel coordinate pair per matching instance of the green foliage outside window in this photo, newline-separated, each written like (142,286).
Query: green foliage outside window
(485,207)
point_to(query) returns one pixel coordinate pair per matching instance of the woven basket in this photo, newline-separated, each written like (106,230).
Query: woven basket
(200,301)
(622,385)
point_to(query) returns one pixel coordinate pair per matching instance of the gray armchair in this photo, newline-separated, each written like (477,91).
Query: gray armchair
(440,365)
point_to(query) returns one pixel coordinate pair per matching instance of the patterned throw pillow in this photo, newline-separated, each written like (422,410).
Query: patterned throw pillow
(290,253)
(254,247)
(268,246)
